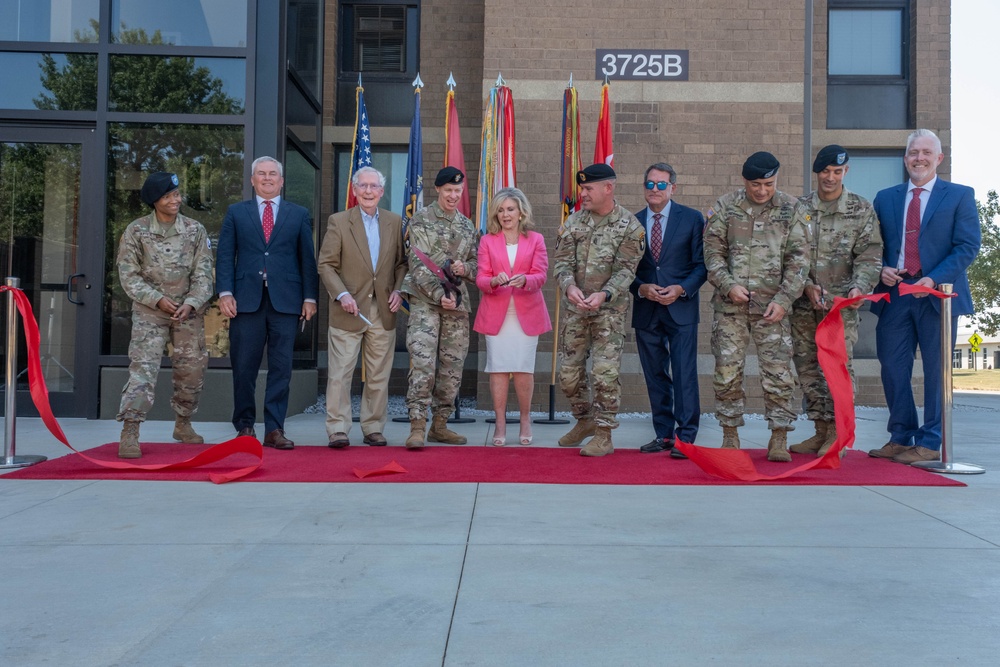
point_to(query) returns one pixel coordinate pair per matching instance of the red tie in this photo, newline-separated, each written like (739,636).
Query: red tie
(911,250)
(656,243)
(268,220)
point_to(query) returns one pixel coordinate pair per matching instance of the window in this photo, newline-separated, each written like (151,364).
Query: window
(49,20)
(972,358)
(180,22)
(380,42)
(871,171)
(390,161)
(51,81)
(867,65)
(956,358)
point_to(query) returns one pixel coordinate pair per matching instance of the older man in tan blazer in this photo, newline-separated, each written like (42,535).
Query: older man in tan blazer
(362,264)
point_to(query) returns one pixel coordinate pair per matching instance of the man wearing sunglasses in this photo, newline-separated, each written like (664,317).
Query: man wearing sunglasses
(757,257)
(665,310)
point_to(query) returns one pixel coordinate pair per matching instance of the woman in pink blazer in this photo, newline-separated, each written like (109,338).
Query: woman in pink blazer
(513,266)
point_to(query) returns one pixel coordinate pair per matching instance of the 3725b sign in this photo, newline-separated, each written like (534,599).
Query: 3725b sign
(642,65)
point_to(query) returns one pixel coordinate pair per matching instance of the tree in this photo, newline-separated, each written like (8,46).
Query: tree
(984,274)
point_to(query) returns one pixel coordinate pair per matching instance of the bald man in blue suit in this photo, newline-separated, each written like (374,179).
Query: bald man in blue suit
(945,224)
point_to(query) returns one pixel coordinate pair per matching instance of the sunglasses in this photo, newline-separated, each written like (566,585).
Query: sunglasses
(659,185)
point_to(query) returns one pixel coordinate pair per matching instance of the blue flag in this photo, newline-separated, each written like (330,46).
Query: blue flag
(361,149)
(413,185)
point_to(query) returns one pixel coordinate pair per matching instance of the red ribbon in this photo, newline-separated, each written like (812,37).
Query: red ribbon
(40,397)
(735,464)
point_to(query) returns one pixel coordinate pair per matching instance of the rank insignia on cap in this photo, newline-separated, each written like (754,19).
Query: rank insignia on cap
(581,177)
(173,179)
(841,158)
(770,173)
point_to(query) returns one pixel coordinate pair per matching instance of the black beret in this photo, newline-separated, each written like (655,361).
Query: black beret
(832,154)
(449,175)
(595,173)
(158,184)
(760,165)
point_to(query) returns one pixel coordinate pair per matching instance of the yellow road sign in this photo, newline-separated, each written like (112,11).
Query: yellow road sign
(974,340)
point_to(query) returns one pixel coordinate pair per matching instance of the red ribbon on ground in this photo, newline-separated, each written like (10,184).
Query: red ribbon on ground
(735,464)
(40,397)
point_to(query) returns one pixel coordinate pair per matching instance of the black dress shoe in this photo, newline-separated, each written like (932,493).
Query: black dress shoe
(677,454)
(657,445)
(247,430)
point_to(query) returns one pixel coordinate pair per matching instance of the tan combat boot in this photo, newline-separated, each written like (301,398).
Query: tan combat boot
(777,446)
(128,443)
(584,428)
(730,437)
(441,433)
(812,444)
(416,439)
(600,444)
(183,432)
(831,438)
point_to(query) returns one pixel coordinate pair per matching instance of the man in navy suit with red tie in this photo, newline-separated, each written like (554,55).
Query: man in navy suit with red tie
(930,232)
(665,312)
(267,281)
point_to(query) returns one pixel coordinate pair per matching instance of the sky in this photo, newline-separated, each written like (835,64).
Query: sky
(975,95)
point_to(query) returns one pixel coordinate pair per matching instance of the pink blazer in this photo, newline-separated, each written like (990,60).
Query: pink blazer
(533,261)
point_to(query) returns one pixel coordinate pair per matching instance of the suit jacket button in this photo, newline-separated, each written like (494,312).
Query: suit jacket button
(266,254)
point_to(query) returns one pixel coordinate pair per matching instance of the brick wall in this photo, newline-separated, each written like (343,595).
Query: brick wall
(744,93)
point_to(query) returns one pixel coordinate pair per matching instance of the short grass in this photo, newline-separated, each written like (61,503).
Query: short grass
(968,380)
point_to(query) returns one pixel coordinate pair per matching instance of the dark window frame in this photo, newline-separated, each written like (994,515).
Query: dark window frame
(838,85)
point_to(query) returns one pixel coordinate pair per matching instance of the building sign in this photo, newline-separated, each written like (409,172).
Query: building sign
(642,65)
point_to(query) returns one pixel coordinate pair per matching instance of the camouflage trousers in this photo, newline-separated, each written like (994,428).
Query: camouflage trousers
(731,336)
(438,341)
(151,330)
(815,391)
(601,336)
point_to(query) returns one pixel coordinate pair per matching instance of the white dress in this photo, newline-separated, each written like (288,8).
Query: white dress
(511,350)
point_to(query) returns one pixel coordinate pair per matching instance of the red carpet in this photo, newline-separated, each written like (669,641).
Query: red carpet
(531,465)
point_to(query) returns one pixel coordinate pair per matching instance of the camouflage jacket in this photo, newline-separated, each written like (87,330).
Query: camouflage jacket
(764,249)
(441,238)
(600,258)
(173,261)
(846,246)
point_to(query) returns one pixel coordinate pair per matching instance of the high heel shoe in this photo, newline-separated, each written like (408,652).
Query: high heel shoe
(499,440)
(526,440)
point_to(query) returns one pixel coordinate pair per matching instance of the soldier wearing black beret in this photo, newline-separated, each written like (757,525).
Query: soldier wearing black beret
(846,251)
(757,257)
(437,332)
(595,263)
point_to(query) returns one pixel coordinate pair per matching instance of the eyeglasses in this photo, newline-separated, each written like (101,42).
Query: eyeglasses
(659,185)
(368,186)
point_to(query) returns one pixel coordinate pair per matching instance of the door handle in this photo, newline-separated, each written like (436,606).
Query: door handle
(69,288)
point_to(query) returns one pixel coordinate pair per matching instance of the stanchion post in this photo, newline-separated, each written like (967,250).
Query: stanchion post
(945,465)
(10,458)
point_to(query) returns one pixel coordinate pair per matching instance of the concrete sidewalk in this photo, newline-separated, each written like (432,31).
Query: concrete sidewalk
(160,573)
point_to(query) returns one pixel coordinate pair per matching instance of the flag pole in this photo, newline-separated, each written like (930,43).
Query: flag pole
(567,203)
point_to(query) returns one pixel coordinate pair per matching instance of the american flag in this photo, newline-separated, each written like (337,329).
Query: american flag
(361,149)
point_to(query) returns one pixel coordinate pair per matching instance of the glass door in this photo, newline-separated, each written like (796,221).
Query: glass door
(51,238)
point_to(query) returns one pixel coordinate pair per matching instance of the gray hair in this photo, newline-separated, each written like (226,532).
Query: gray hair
(916,134)
(368,170)
(267,158)
(661,166)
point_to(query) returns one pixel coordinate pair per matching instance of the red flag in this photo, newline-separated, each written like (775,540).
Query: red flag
(453,154)
(604,150)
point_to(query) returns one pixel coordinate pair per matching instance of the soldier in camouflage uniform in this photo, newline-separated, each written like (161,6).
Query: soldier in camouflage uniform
(757,257)
(437,333)
(846,261)
(595,261)
(165,267)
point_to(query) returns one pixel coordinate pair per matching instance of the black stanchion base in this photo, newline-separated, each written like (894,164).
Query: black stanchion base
(552,410)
